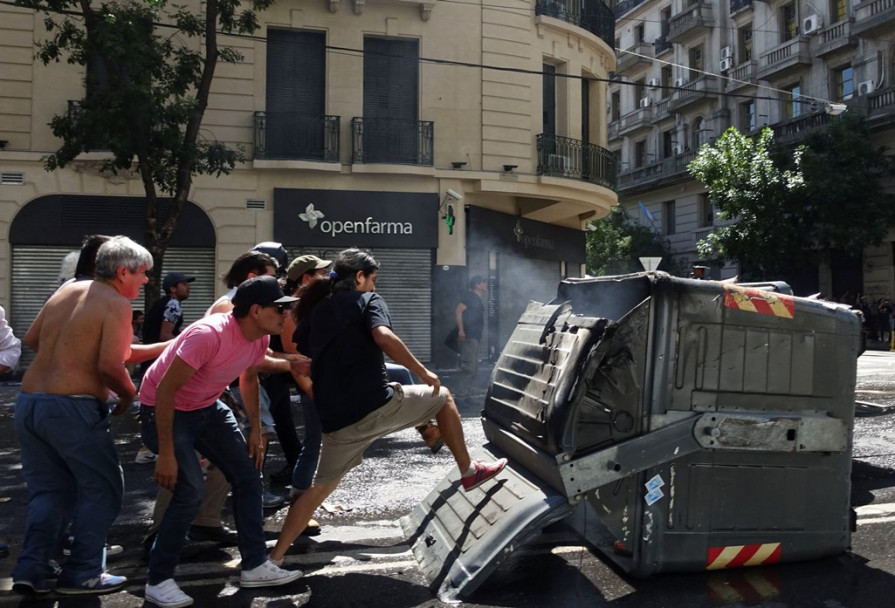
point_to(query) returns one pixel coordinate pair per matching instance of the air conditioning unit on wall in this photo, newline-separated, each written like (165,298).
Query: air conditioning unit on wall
(727,52)
(865,87)
(653,83)
(678,82)
(726,64)
(811,24)
(644,102)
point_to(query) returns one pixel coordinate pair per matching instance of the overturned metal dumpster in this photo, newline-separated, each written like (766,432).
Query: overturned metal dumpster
(677,424)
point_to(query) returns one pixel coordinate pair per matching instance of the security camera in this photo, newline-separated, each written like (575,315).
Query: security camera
(454,195)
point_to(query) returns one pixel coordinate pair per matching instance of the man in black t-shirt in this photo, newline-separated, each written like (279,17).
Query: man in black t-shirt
(165,317)
(346,329)
(470,317)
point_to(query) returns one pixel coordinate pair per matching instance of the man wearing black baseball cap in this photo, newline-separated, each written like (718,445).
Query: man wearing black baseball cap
(165,316)
(181,413)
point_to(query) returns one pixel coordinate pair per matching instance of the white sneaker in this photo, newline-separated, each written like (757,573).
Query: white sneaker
(267,574)
(167,595)
(145,457)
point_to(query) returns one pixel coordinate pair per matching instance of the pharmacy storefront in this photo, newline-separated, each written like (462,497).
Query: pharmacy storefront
(400,229)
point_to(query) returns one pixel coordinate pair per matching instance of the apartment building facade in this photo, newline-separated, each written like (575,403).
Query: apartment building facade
(451,139)
(689,69)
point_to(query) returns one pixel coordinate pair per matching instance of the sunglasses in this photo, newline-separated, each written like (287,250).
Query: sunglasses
(281,308)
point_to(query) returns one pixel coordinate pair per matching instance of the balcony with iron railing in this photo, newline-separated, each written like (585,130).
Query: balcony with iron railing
(835,38)
(743,75)
(693,20)
(592,15)
(392,140)
(785,58)
(639,54)
(626,6)
(695,91)
(571,158)
(661,45)
(291,136)
(874,18)
(739,5)
(673,168)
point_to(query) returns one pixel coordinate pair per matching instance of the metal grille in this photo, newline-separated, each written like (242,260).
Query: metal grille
(35,272)
(12,178)
(405,281)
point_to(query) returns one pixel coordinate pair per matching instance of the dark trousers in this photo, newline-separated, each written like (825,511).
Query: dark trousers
(277,387)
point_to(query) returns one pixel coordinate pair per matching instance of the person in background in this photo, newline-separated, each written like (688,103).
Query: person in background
(883,312)
(346,329)
(470,318)
(10,346)
(278,387)
(10,351)
(67,267)
(165,316)
(144,454)
(137,324)
(69,459)
(302,272)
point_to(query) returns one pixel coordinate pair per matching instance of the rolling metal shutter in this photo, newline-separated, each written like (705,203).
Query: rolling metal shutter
(405,281)
(34,279)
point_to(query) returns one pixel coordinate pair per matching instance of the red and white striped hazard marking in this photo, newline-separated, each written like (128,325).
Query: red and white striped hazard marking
(737,556)
(758,301)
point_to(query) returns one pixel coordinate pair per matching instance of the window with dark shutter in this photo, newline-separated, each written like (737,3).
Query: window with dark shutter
(294,121)
(391,128)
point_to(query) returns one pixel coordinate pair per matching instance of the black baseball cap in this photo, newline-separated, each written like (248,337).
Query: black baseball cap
(173,278)
(263,290)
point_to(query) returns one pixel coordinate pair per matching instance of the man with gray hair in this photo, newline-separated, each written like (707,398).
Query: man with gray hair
(82,337)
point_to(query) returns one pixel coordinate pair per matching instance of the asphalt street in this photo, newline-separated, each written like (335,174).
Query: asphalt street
(362,559)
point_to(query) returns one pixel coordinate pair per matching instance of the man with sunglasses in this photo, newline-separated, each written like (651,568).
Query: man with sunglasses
(182,414)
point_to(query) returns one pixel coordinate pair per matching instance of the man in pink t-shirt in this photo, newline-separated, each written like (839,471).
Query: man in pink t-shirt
(181,413)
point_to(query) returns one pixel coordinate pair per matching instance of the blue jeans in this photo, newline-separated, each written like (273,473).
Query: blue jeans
(214,433)
(73,475)
(306,465)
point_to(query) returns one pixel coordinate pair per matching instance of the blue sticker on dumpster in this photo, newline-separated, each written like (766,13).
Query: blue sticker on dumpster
(653,495)
(655,483)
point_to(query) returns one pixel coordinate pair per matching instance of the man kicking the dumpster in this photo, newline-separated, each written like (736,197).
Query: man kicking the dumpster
(182,414)
(346,328)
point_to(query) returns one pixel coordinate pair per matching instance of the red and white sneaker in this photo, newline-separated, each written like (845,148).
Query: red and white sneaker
(483,472)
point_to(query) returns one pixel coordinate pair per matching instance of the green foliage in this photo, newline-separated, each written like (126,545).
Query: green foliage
(792,206)
(616,242)
(157,61)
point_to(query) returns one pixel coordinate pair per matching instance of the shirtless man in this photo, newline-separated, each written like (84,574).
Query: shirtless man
(82,337)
